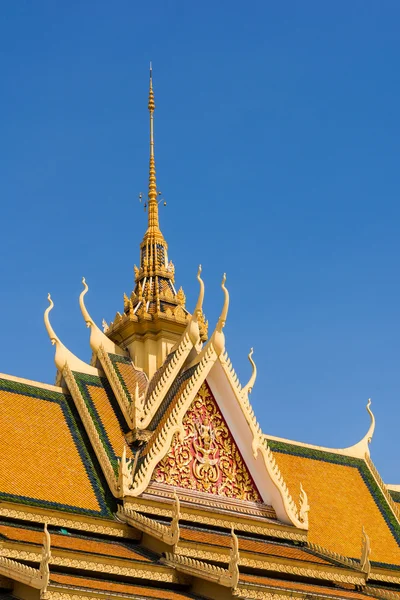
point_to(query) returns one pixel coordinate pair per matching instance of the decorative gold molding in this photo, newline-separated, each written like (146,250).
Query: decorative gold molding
(346,562)
(169,534)
(365,564)
(267,565)
(299,536)
(381,593)
(355,578)
(67,523)
(227,577)
(91,430)
(383,488)
(36,578)
(197,499)
(151,572)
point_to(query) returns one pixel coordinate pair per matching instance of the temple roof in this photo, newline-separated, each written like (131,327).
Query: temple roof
(346,495)
(145,474)
(39,461)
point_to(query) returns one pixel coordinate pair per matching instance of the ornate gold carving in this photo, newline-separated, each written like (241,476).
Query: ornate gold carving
(44,569)
(304,507)
(208,460)
(347,562)
(67,523)
(156,572)
(279,533)
(365,564)
(180,297)
(168,534)
(36,578)
(381,593)
(383,488)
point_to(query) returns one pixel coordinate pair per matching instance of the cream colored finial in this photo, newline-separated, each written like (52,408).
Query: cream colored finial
(362,447)
(199,305)
(304,506)
(365,563)
(86,316)
(371,429)
(234,558)
(97,337)
(52,334)
(248,388)
(224,313)
(64,356)
(44,563)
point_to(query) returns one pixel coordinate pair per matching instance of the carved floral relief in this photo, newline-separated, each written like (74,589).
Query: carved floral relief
(208,460)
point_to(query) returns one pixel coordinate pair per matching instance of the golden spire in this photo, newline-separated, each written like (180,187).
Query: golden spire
(153,223)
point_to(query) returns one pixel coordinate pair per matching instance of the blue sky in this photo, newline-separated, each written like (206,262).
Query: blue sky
(277,151)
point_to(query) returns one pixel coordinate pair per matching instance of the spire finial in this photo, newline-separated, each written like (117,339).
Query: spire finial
(153,223)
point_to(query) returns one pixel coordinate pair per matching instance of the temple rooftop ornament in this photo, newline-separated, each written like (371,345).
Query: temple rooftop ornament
(155,314)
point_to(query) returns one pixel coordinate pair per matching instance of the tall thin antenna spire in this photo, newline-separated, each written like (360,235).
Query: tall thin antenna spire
(153,222)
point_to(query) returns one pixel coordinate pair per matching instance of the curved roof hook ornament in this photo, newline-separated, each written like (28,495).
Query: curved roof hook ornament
(97,337)
(64,356)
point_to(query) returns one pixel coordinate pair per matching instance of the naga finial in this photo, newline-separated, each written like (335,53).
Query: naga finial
(52,334)
(234,560)
(248,388)
(304,507)
(176,515)
(44,562)
(365,563)
(64,356)
(97,337)
(371,429)
(199,305)
(224,313)
(88,320)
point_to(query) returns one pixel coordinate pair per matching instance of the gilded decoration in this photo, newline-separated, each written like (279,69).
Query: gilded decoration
(208,460)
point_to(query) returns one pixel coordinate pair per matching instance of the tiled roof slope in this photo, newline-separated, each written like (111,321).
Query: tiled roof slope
(248,544)
(277,586)
(71,541)
(46,459)
(113,587)
(106,415)
(128,374)
(344,497)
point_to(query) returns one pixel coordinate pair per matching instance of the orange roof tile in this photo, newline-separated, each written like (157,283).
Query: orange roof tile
(343,497)
(44,459)
(106,414)
(249,545)
(121,588)
(73,542)
(302,587)
(128,374)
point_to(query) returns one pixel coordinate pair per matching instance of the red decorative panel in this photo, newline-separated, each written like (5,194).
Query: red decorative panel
(208,460)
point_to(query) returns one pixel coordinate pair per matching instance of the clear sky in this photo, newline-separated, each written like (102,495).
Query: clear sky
(277,151)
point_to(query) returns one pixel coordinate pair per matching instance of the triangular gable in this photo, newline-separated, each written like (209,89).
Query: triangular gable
(207,459)
(235,410)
